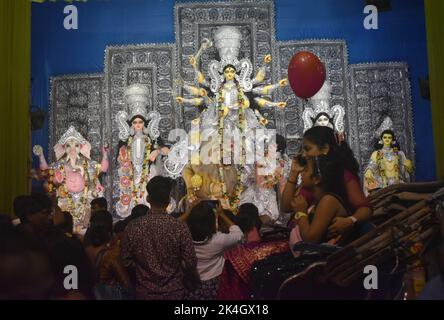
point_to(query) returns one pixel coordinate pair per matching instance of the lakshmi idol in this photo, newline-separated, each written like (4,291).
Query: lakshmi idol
(140,149)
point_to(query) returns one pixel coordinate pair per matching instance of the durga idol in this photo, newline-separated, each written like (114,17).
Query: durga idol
(232,99)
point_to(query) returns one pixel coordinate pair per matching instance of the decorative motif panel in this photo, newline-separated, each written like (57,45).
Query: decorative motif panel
(78,100)
(197,21)
(149,64)
(333,53)
(380,90)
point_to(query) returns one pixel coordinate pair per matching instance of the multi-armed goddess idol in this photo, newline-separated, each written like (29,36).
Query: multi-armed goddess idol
(229,119)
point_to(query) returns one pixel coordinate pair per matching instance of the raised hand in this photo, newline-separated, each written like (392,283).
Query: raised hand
(154,154)
(193,61)
(165,151)
(295,170)
(37,150)
(299,204)
(283,82)
(219,209)
(179,100)
(281,104)
(203,92)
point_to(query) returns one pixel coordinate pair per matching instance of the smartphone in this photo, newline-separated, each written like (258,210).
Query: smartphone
(301,160)
(211,203)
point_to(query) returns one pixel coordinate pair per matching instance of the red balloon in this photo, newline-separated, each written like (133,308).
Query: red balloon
(306,74)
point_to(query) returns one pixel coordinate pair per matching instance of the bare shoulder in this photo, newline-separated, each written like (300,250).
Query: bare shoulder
(332,205)
(329,201)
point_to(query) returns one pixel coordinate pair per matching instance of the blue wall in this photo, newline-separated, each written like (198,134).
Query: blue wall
(401,37)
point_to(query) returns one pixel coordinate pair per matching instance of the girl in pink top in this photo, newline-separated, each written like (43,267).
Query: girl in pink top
(322,141)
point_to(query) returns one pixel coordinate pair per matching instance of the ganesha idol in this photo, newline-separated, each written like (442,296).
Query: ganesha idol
(73,177)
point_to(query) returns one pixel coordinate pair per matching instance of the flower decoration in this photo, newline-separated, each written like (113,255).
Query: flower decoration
(125,182)
(126,164)
(196,181)
(125,199)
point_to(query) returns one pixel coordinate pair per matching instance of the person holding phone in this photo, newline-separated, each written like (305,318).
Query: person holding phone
(323,141)
(210,244)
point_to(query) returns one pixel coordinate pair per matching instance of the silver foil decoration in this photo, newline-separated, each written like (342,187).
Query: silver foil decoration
(333,53)
(381,90)
(195,22)
(77,100)
(152,65)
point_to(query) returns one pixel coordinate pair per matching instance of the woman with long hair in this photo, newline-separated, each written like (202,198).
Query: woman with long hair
(323,141)
(112,280)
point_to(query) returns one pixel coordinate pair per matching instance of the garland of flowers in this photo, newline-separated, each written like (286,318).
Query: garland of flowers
(234,200)
(380,157)
(135,190)
(274,179)
(64,193)
(49,176)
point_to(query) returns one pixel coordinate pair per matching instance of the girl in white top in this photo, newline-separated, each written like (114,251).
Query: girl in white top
(210,245)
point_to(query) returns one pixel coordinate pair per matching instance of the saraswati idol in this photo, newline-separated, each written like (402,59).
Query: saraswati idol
(388,165)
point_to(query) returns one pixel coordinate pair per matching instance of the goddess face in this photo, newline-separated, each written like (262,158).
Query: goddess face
(387,139)
(138,124)
(229,73)
(322,121)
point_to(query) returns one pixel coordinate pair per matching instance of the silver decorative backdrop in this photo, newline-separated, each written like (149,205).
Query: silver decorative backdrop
(368,92)
(196,21)
(380,90)
(77,100)
(333,53)
(149,64)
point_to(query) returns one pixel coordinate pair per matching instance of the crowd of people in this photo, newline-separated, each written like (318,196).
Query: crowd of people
(204,253)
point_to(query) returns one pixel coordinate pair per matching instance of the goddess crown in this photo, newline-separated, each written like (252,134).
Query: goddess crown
(321,104)
(321,100)
(137,99)
(227,40)
(387,124)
